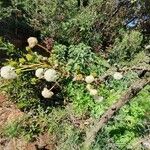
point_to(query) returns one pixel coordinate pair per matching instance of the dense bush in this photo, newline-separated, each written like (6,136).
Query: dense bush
(124,49)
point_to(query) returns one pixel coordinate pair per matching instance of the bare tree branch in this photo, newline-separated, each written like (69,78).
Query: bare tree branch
(133,90)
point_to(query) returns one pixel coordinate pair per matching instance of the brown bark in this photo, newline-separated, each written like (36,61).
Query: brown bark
(133,90)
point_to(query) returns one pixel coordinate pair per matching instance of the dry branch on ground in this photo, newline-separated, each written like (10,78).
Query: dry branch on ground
(133,90)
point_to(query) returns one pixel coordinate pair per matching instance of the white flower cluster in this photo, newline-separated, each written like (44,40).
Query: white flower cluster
(117,76)
(46,93)
(93,92)
(39,73)
(8,72)
(49,75)
(146,144)
(32,41)
(147,47)
(89,79)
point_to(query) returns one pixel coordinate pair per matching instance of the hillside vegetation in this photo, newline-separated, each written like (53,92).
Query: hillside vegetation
(79,70)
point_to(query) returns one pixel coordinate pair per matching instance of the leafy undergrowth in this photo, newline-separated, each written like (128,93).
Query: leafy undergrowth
(130,123)
(58,79)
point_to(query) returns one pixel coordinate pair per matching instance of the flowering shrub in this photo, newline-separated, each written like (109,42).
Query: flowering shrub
(58,76)
(48,75)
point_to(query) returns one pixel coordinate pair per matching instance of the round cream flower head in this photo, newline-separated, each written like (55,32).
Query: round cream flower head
(32,41)
(93,92)
(88,87)
(39,73)
(47,93)
(146,144)
(8,72)
(89,79)
(50,75)
(117,76)
(147,47)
